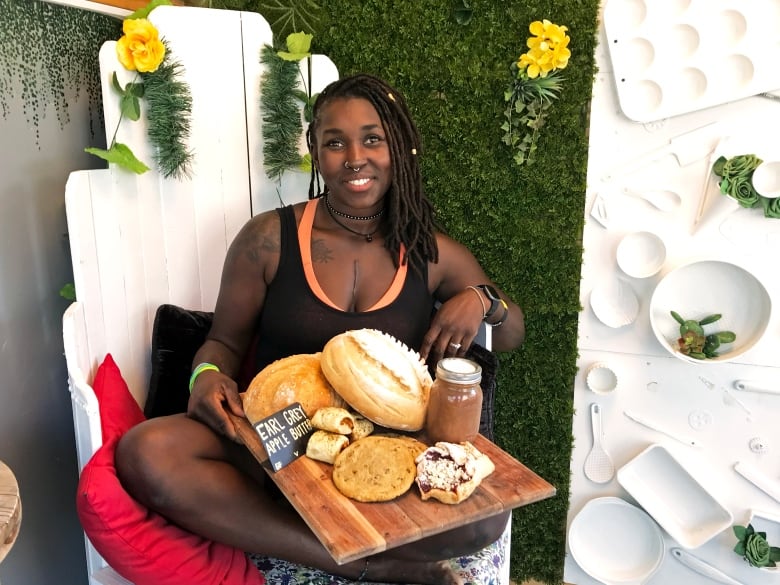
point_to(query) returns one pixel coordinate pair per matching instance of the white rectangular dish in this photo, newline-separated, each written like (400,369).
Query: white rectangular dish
(679,503)
(675,57)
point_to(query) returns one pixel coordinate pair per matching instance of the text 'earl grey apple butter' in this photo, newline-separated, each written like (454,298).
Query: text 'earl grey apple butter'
(455,403)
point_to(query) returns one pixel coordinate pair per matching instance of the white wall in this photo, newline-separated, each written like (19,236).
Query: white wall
(36,428)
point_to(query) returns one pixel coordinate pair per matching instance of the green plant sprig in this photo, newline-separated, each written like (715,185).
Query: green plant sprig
(280,106)
(129,107)
(528,104)
(694,342)
(169,117)
(754,548)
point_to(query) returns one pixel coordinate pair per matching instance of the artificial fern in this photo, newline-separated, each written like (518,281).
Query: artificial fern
(169,117)
(282,126)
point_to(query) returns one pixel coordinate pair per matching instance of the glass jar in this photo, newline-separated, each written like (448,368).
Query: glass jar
(455,404)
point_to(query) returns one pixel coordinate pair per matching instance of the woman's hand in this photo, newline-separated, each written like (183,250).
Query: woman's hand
(453,328)
(212,396)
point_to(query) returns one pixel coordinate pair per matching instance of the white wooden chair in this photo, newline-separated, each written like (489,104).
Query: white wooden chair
(141,241)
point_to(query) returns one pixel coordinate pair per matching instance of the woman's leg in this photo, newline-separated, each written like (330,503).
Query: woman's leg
(213,487)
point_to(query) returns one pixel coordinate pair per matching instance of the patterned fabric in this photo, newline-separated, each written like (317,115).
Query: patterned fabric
(481,568)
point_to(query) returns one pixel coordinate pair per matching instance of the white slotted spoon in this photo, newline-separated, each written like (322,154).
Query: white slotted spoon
(598,464)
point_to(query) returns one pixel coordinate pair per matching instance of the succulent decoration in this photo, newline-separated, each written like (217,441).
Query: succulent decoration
(695,343)
(736,181)
(754,548)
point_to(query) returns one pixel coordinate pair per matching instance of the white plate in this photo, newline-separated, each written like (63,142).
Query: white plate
(615,542)
(699,289)
(679,503)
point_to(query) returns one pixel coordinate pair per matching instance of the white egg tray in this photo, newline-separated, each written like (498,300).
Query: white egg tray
(671,57)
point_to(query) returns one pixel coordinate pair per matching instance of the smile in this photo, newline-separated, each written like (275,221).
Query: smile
(359,182)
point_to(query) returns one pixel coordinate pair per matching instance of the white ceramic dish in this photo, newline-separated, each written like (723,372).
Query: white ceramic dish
(766,179)
(601,379)
(679,56)
(679,503)
(701,288)
(641,254)
(614,303)
(615,542)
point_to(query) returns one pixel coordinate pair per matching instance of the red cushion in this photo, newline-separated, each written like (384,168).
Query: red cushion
(139,544)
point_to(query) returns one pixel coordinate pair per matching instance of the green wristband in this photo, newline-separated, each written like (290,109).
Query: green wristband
(199,369)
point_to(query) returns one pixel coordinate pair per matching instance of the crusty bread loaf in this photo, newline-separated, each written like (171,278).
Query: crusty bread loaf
(297,378)
(379,377)
(450,472)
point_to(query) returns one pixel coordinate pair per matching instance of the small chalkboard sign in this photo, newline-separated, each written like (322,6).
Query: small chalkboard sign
(284,435)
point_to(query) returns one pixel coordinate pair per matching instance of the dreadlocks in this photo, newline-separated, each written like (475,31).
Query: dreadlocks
(411,218)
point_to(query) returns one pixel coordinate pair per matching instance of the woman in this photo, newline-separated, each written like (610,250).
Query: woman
(362,253)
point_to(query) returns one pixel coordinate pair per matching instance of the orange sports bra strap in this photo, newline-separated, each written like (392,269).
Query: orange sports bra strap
(304,241)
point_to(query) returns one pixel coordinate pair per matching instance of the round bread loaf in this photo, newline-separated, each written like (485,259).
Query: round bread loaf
(297,378)
(379,377)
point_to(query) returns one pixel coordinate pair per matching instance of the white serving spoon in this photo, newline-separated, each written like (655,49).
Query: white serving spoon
(662,199)
(598,464)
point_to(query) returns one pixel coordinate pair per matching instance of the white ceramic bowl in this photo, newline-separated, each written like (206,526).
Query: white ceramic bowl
(766,179)
(702,288)
(641,254)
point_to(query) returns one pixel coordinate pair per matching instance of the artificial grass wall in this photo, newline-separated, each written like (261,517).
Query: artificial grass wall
(524,224)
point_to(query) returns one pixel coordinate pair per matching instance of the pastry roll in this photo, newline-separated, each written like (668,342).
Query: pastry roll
(333,419)
(325,446)
(363,428)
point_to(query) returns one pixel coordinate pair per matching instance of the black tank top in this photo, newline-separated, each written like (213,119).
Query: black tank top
(294,320)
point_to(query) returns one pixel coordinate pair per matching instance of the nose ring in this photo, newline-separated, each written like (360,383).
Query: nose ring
(353,169)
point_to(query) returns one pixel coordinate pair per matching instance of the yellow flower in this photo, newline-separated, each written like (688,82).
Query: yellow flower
(548,49)
(140,49)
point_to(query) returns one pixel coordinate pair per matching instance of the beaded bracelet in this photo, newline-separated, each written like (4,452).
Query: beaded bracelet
(199,369)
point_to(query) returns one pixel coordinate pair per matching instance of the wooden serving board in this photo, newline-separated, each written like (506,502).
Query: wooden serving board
(350,530)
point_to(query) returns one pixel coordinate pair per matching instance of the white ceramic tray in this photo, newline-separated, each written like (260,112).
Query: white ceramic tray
(679,503)
(677,56)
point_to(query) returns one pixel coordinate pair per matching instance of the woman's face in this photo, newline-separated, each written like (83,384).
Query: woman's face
(350,132)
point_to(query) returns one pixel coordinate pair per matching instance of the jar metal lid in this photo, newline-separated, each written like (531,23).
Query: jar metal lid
(459,370)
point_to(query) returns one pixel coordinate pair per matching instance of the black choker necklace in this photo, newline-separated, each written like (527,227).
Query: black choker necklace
(369,236)
(352,217)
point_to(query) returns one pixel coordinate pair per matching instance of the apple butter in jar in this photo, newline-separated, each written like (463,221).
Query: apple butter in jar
(455,404)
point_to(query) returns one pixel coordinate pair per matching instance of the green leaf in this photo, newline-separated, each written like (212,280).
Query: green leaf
(774,553)
(144,12)
(298,47)
(130,106)
(115,84)
(301,95)
(121,155)
(305,164)
(740,549)
(135,89)
(68,292)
